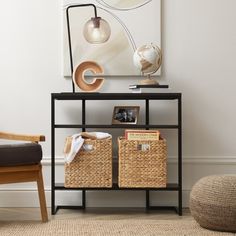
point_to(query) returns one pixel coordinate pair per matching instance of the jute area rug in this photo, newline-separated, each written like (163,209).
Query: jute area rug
(72,227)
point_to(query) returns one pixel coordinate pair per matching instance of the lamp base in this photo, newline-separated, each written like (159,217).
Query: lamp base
(149,81)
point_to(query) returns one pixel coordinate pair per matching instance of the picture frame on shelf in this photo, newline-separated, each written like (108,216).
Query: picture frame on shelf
(125,115)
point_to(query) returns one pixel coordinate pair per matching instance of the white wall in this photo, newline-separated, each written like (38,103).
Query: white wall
(199,45)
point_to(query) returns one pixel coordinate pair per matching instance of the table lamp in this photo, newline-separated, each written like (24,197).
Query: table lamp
(96,30)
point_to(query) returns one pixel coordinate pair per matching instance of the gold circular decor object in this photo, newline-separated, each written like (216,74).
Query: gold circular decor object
(79,76)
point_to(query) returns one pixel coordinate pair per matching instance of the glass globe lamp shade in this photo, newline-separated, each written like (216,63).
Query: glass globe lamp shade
(97,30)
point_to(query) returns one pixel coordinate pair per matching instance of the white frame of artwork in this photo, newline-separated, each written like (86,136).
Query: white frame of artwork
(117,57)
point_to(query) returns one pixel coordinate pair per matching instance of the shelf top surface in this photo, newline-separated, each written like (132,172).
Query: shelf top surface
(118,96)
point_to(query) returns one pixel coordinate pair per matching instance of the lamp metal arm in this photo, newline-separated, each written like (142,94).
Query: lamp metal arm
(69,32)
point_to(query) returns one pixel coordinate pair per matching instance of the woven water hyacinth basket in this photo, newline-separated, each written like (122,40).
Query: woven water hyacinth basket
(142,164)
(213,202)
(91,169)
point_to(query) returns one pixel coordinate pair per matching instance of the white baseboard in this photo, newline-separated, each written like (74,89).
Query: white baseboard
(216,160)
(25,195)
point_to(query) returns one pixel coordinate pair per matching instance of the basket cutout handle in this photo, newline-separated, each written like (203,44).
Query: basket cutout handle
(144,147)
(89,147)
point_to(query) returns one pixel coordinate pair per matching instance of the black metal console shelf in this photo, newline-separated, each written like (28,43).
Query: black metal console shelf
(116,96)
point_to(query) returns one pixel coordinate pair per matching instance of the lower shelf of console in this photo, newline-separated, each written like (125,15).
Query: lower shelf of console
(169,187)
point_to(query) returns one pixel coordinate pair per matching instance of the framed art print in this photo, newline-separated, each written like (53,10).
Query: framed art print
(133,23)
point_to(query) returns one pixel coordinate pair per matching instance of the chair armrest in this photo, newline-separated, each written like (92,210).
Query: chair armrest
(22,137)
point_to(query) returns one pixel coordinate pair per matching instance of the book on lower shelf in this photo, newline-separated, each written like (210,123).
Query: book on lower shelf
(131,134)
(147,88)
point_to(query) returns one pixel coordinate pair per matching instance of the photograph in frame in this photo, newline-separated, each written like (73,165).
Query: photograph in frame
(125,115)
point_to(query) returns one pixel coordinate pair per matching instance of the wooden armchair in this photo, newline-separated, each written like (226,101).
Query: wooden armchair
(21,162)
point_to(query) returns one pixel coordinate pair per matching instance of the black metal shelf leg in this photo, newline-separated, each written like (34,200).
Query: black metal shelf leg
(83,199)
(180,155)
(53,209)
(147,200)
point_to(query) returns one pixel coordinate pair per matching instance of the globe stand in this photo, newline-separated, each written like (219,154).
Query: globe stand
(149,80)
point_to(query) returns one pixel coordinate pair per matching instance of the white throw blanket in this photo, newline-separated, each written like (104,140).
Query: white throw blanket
(77,142)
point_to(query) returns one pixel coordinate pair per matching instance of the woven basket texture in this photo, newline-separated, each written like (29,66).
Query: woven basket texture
(142,168)
(91,168)
(213,202)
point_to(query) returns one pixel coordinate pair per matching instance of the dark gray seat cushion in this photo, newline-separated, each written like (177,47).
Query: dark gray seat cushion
(20,154)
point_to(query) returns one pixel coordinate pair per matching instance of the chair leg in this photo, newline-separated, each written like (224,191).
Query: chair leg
(41,194)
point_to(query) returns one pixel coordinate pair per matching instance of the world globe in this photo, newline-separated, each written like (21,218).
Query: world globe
(147,59)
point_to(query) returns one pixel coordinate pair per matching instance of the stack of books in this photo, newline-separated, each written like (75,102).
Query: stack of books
(131,134)
(147,88)
(142,135)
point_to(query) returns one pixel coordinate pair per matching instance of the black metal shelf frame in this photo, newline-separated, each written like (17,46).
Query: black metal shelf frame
(117,126)
(116,96)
